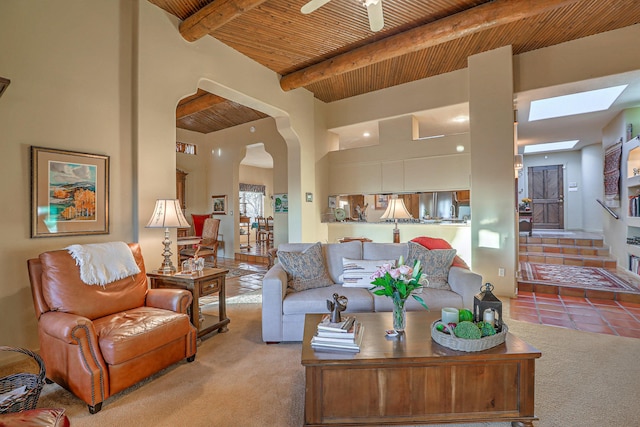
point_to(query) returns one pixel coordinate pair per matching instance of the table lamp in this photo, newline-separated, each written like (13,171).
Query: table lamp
(396,210)
(167,214)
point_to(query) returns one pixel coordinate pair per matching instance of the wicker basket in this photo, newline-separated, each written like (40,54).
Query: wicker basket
(455,343)
(33,385)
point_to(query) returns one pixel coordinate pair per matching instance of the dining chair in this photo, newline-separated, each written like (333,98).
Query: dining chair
(262,230)
(208,245)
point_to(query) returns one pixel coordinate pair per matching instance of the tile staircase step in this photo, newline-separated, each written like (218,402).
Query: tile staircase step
(590,242)
(549,288)
(253,258)
(583,261)
(580,251)
(539,248)
(586,252)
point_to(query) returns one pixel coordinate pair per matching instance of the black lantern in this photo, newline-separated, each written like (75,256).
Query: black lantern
(487,302)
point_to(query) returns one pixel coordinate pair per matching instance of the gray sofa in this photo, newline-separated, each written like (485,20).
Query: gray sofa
(283,312)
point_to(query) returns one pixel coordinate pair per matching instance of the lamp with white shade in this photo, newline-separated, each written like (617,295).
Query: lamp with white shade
(167,214)
(396,210)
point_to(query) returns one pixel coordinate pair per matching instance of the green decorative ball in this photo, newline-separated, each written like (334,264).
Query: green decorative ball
(467,330)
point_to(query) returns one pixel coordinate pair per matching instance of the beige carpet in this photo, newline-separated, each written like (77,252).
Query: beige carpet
(582,379)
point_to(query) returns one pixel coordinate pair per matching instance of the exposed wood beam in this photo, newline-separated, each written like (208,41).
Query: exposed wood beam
(200,103)
(479,18)
(213,16)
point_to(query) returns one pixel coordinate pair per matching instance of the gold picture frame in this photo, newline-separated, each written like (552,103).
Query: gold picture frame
(219,205)
(69,193)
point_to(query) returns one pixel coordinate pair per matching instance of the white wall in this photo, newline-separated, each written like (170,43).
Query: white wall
(592,188)
(71,90)
(197,195)
(493,228)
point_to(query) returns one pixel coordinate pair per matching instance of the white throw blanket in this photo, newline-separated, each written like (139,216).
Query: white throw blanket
(103,263)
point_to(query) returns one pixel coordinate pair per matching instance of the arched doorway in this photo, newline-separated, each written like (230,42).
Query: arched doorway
(255,196)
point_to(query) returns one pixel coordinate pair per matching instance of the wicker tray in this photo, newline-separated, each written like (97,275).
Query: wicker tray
(461,344)
(33,384)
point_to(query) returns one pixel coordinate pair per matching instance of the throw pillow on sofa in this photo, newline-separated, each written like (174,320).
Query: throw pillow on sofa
(435,264)
(306,269)
(438,243)
(356,273)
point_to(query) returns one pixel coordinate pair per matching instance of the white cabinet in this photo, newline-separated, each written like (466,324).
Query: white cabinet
(437,173)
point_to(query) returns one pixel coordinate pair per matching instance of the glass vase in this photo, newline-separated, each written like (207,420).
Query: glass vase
(399,315)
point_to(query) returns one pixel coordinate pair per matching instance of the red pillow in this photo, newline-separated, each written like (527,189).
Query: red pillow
(198,223)
(437,243)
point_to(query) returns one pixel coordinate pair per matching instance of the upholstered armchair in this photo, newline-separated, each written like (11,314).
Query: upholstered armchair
(97,340)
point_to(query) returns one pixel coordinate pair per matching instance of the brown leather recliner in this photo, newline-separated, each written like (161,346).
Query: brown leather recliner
(96,341)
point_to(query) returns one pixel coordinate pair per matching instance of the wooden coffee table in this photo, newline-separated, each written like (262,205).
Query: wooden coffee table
(414,380)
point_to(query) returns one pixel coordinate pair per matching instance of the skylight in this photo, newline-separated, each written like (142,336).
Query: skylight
(576,103)
(550,146)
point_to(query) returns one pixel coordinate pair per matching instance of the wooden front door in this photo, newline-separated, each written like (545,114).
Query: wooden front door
(547,195)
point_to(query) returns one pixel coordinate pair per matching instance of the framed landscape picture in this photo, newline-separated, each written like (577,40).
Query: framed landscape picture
(69,193)
(219,205)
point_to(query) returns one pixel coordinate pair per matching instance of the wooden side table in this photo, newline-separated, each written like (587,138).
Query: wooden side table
(207,282)
(526,221)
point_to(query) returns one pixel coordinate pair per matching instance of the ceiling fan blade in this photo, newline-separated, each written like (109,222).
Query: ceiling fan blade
(376,20)
(313,5)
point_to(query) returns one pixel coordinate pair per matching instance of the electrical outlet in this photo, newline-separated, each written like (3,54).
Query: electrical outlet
(501,272)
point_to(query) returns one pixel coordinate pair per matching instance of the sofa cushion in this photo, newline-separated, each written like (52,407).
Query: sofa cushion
(315,300)
(356,273)
(306,269)
(435,264)
(437,243)
(333,254)
(371,250)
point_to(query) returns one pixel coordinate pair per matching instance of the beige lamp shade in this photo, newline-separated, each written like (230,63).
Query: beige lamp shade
(168,214)
(396,210)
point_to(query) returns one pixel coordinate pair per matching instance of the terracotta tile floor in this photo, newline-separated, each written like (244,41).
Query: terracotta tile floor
(583,314)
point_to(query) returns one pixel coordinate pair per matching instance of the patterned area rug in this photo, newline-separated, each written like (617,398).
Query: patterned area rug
(567,275)
(233,272)
(248,298)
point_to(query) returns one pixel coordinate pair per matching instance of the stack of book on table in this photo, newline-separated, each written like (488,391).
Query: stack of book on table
(343,336)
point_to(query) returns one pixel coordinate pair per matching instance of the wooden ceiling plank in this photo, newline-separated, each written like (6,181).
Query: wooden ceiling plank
(479,18)
(213,16)
(200,103)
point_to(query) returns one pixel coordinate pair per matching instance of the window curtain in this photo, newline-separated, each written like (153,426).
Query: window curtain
(253,188)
